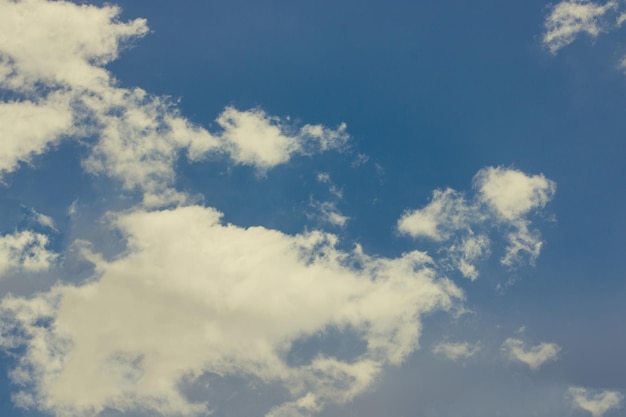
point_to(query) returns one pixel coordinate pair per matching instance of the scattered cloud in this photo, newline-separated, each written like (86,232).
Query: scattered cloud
(329,213)
(503,199)
(533,356)
(60,82)
(597,405)
(193,295)
(456,351)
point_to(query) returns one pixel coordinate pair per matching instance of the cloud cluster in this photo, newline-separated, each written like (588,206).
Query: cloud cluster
(52,57)
(503,198)
(220,299)
(191,295)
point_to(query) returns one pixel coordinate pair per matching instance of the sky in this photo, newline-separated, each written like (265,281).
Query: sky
(298,209)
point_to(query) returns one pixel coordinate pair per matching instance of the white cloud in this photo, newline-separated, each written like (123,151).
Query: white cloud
(221,299)
(471,249)
(446,213)
(44,220)
(139,137)
(29,128)
(534,356)
(253,138)
(59,46)
(25,251)
(597,405)
(503,200)
(456,351)
(60,43)
(511,193)
(570,18)
(329,213)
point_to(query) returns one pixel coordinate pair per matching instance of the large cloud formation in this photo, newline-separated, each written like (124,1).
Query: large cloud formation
(190,295)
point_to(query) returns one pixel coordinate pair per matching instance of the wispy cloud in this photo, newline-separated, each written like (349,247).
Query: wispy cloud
(596,404)
(569,19)
(501,198)
(456,350)
(534,356)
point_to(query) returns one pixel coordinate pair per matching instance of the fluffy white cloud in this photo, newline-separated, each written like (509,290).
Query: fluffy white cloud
(456,351)
(446,213)
(597,405)
(511,193)
(28,128)
(58,46)
(60,43)
(192,295)
(25,251)
(253,138)
(138,137)
(570,18)
(534,356)
(503,198)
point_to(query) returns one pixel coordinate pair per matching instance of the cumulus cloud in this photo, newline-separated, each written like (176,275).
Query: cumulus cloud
(447,212)
(219,299)
(28,128)
(456,351)
(25,251)
(533,356)
(512,195)
(58,46)
(503,199)
(253,138)
(138,137)
(192,295)
(597,405)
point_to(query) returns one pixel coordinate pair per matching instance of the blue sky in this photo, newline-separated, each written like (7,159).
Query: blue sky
(324,208)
